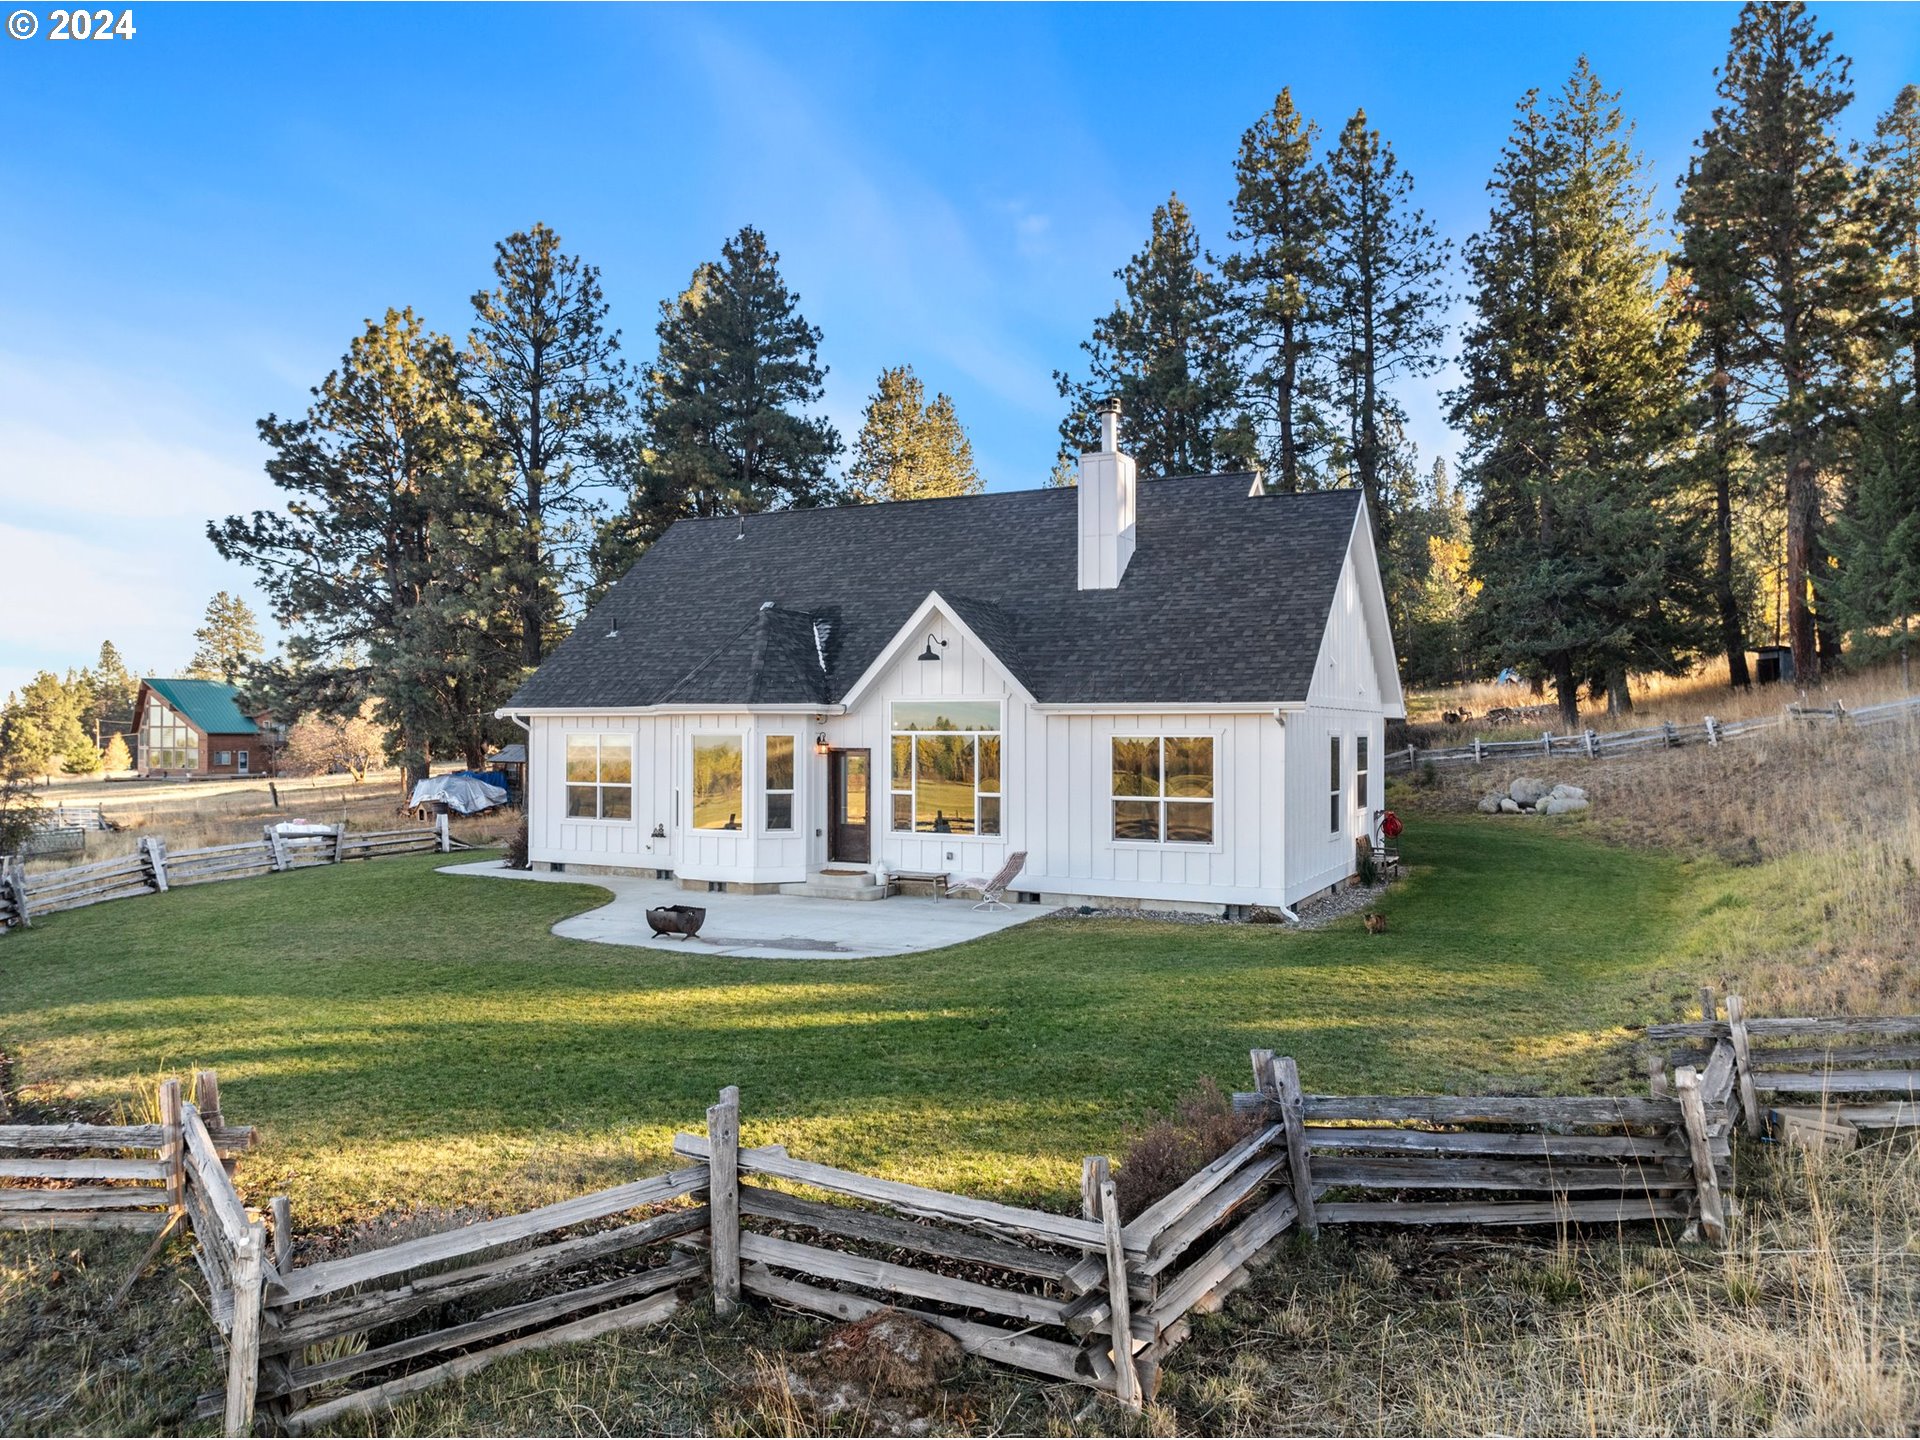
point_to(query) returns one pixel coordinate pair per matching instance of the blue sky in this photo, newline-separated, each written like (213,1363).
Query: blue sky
(198,219)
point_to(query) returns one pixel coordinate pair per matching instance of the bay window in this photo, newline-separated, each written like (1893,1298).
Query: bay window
(778,782)
(718,782)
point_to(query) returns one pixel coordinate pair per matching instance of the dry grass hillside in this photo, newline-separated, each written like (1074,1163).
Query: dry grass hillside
(1682,699)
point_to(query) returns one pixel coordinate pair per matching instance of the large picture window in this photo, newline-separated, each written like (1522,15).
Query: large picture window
(1163,789)
(946,767)
(599,777)
(779,782)
(167,741)
(718,789)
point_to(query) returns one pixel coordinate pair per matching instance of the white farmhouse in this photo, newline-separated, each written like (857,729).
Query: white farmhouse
(1170,692)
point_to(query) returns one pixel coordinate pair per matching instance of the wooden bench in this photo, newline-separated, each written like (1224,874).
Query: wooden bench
(935,880)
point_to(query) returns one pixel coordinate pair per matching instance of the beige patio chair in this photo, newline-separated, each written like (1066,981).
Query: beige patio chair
(990,890)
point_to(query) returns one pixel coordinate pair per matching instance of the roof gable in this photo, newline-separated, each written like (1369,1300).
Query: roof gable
(1225,600)
(211,706)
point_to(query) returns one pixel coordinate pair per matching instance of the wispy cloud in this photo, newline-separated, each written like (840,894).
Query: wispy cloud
(107,480)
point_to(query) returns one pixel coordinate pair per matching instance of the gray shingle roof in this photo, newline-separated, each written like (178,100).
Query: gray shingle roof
(1225,600)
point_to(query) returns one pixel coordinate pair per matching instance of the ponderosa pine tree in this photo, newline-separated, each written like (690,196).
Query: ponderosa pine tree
(227,641)
(1166,352)
(387,531)
(1717,303)
(546,373)
(1575,405)
(1385,265)
(908,448)
(1783,192)
(1894,162)
(1278,284)
(738,365)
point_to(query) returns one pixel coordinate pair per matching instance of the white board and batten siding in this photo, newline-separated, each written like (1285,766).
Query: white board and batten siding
(1347,700)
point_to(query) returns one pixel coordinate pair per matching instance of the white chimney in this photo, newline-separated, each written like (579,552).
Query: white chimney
(1106,507)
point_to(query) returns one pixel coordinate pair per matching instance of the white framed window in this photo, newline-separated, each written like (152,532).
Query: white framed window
(719,782)
(223,757)
(777,780)
(1362,774)
(945,767)
(1163,789)
(1333,785)
(599,777)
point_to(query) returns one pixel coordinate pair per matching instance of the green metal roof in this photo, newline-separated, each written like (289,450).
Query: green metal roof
(210,706)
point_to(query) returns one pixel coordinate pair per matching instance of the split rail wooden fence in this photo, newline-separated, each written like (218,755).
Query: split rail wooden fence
(153,869)
(1593,745)
(1093,1298)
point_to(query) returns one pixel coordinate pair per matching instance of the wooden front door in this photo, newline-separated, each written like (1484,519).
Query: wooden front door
(849,794)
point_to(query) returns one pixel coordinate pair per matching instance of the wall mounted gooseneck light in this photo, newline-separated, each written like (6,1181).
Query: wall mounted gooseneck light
(930,653)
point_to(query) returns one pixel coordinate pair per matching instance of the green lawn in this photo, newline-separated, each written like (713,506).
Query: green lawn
(402,1037)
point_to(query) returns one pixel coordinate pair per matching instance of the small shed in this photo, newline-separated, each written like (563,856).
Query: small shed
(511,761)
(1775,663)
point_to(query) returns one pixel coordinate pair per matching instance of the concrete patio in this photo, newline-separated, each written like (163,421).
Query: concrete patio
(768,927)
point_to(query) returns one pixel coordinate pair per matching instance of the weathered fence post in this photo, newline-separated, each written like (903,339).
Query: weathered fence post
(1476,749)
(723,1198)
(1693,1117)
(1278,1078)
(443,840)
(340,842)
(1409,757)
(1593,750)
(1743,1063)
(1126,1379)
(281,1208)
(153,854)
(206,1099)
(173,1145)
(1546,739)
(243,1340)
(1709,1008)
(1657,1076)
(1669,734)
(1094,1170)
(276,856)
(1713,731)
(15,880)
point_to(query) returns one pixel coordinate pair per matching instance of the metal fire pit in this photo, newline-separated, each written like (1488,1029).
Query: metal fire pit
(682,920)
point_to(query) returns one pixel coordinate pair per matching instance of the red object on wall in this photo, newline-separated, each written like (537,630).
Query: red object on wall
(1390,825)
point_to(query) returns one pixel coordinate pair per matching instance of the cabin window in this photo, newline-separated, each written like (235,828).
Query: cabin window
(945,767)
(718,788)
(223,757)
(1163,789)
(1333,805)
(779,782)
(599,777)
(167,741)
(1362,774)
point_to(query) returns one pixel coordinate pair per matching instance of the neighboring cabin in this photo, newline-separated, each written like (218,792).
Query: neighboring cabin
(197,727)
(1172,692)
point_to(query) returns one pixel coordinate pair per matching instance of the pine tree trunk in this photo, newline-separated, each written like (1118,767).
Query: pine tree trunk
(1619,693)
(1725,601)
(1567,691)
(1801,509)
